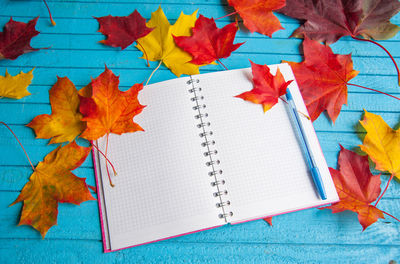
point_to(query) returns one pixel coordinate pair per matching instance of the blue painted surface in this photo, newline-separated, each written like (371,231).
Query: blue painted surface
(310,236)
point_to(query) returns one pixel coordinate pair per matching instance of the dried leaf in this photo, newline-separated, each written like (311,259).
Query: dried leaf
(329,20)
(109,110)
(382,144)
(357,187)
(15,86)
(322,78)
(122,31)
(267,88)
(51,183)
(65,122)
(209,43)
(16,37)
(160,45)
(257,14)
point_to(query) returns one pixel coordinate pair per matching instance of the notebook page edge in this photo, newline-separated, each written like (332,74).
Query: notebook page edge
(100,202)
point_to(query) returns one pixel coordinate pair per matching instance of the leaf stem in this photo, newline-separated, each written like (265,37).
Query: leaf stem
(230,14)
(373,90)
(387,185)
(151,75)
(48,9)
(93,188)
(388,53)
(222,64)
(108,172)
(26,154)
(390,215)
(112,166)
(303,114)
(145,53)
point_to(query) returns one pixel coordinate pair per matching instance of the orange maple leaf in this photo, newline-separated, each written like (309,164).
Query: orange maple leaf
(267,88)
(106,109)
(53,182)
(257,14)
(357,187)
(322,78)
(65,122)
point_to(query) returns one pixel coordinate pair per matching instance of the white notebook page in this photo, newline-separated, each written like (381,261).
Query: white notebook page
(261,157)
(162,188)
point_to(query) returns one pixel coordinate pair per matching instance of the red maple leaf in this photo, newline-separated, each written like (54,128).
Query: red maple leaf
(267,88)
(209,43)
(322,78)
(357,187)
(257,14)
(16,37)
(329,20)
(122,31)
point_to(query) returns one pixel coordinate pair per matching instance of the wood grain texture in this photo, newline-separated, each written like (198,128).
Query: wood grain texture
(309,236)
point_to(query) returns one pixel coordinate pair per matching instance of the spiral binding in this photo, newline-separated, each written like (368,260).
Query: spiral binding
(210,153)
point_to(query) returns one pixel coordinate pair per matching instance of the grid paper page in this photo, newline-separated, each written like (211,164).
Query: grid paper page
(264,166)
(162,188)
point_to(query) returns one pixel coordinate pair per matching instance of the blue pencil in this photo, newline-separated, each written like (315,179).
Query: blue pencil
(316,175)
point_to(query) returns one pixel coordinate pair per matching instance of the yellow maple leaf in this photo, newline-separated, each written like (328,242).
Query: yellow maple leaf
(65,122)
(15,86)
(159,44)
(382,144)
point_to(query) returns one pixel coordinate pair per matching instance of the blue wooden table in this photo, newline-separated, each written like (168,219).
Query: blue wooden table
(310,236)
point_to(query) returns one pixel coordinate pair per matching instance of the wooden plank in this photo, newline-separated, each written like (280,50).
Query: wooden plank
(94,8)
(89,26)
(356,102)
(14,177)
(251,45)
(14,251)
(116,59)
(81,77)
(316,227)
(346,122)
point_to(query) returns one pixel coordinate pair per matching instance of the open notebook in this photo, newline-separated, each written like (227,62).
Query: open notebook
(205,159)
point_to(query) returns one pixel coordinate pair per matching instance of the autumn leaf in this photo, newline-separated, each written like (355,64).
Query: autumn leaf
(329,20)
(16,37)
(267,88)
(15,86)
(106,109)
(51,183)
(357,187)
(122,31)
(323,78)
(382,144)
(268,220)
(65,122)
(257,14)
(209,43)
(160,45)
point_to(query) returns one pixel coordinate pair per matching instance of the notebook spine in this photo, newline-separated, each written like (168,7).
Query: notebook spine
(210,153)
